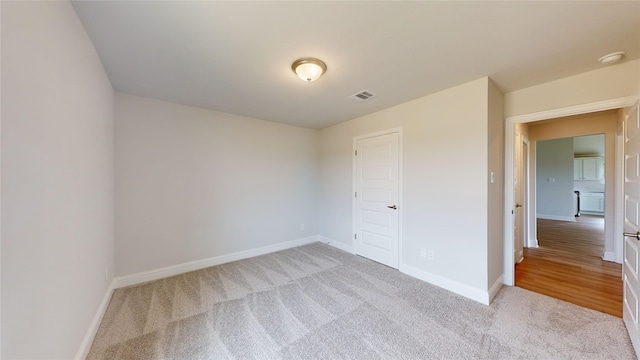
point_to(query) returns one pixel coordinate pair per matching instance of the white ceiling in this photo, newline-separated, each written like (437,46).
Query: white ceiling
(235,57)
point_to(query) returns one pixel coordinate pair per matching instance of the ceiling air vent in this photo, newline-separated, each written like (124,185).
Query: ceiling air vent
(361,96)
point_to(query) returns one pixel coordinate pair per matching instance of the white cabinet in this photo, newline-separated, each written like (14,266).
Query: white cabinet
(577,169)
(588,168)
(592,203)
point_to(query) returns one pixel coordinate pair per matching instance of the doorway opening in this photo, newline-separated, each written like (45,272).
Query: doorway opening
(570,186)
(567,251)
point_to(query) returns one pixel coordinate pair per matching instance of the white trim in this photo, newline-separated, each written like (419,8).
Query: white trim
(400,196)
(337,244)
(354,186)
(467,291)
(596,213)
(0,199)
(145,276)
(529,208)
(556,217)
(85,345)
(509,260)
(508,265)
(495,288)
(618,216)
(378,133)
(609,256)
(573,110)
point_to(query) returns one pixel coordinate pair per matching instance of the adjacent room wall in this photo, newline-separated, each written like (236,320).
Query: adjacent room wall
(523,130)
(445,182)
(554,179)
(193,183)
(57,181)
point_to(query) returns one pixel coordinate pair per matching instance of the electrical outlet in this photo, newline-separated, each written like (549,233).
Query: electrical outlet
(423,253)
(430,255)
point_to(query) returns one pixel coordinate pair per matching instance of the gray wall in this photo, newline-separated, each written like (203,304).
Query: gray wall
(446,187)
(57,181)
(554,179)
(495,204)
(193,183)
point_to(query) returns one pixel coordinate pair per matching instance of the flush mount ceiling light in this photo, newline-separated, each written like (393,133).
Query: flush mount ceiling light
(308,69)
(612,58)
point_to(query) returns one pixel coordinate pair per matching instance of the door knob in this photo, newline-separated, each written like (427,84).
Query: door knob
(518,205)
(636,235)
(392,207)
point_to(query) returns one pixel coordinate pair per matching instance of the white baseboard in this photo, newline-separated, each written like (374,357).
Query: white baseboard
(609,256)
(145,276)
(596,213)
(337,244)
(85,345)
(467,291)
(556,217)
(495,288)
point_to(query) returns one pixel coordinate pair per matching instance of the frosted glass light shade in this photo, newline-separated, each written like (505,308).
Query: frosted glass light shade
(308,69)
(612,58)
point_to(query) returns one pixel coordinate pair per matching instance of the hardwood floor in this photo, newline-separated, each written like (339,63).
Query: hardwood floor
(585,236)
(568,265)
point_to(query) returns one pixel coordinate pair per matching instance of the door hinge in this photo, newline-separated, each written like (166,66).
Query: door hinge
(355,236)
(356,194)
(356,152)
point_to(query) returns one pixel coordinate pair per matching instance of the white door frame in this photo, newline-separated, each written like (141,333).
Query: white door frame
(530,238)
(509,261)
(517,190)
(522,142)
(354,187)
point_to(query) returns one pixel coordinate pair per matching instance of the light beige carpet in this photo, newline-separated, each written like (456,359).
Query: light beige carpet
(317,302)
